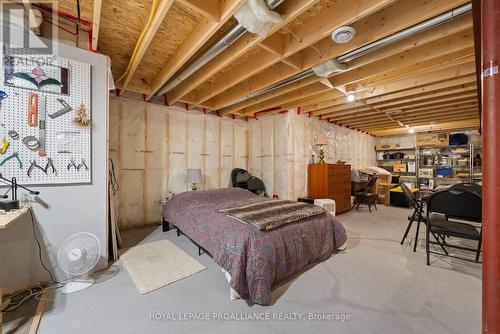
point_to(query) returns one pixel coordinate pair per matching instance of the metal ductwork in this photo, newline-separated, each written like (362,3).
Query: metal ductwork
(361,51)
(235,32)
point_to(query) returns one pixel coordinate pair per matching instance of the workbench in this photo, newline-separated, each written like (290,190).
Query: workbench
(6,220)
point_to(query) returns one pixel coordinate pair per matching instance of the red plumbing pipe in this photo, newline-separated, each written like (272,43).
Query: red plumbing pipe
(490,28)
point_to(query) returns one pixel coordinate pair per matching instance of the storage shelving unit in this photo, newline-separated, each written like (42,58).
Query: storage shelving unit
(408,151)
(449,165)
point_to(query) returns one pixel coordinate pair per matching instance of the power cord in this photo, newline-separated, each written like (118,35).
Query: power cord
(33,292)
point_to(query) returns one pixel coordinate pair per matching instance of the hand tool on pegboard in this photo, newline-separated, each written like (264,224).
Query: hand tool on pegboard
(66,109)
(41,127)
(13,155)
(32,109)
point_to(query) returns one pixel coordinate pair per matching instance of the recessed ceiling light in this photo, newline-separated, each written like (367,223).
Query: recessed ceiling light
(343,34)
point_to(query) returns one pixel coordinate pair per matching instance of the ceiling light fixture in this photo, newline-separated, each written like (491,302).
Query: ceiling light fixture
(411,130)
(351,97)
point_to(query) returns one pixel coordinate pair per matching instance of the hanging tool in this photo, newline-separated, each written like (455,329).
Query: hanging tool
(66,109)
(72,164)
(82,164)
(13,155)
(33,166)
(32,109)
(32,143)
(5,145)
(13,134)
(41,127)
(50,164)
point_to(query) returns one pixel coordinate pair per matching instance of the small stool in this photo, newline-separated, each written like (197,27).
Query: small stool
(328,204)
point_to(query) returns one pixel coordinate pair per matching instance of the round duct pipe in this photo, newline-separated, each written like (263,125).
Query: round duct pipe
(235,32)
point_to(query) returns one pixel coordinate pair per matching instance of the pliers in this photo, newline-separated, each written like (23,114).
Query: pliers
(50,164)
(72,164)
(35,165)
(82,164)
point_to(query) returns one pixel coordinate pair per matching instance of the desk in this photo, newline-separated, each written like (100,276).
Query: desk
(7,219)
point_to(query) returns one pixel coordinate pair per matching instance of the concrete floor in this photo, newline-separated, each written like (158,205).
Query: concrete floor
(384,288)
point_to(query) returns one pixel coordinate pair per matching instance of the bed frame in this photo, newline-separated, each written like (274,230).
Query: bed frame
(166,228)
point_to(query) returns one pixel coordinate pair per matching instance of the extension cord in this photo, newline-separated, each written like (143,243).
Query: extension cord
(5,304)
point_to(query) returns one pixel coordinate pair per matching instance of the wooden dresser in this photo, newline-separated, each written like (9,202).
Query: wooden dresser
(331,181)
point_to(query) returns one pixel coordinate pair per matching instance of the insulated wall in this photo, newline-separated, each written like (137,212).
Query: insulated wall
(282,145)
(152,146)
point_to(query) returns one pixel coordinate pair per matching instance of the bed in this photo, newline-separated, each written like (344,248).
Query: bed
(255,260)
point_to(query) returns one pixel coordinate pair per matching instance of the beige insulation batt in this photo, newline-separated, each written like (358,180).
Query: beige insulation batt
(153,145)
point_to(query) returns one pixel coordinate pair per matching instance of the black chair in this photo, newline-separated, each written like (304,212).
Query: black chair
(418,214)
(459,205)
(366,195)
(468,187)
(255,185)
(239,178)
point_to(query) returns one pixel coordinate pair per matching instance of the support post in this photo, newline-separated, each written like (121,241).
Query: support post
(490,31)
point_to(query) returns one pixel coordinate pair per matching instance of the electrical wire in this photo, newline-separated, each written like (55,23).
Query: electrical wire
(152,13)
(40,247)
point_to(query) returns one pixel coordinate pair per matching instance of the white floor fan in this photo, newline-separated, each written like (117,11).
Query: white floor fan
(77,256)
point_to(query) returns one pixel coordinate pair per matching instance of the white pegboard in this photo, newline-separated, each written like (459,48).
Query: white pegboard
(62,133)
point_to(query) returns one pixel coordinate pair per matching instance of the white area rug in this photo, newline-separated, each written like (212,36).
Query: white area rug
(157,264)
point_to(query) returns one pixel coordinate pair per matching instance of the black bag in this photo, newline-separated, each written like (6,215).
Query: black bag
(458,139)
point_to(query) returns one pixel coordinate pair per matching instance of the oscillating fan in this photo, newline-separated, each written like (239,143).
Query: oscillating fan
(77,256)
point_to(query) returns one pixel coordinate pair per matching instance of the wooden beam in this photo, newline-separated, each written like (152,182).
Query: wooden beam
(427,66)
(199,36)
(96,19)
(259,99)
(429,100)
(428,90)
(457,125)
(289,11)
(160,14)
(344,11)
(401,15)
(275,102)
(294,61)
(419,80)
(208,8)
(382,126)
(438,51)
(403,73)
(374,124)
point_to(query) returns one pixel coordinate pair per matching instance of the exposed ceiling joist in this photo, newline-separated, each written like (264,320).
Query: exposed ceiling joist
(289,11)
(466,124)
(160,14)
(311,31)
(96,19)
(390,20)
(208,8)
(199,36)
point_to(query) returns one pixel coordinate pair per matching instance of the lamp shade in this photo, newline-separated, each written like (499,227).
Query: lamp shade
(193,176)
(320,140)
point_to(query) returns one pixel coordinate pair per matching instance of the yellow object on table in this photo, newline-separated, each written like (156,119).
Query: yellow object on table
(399,190)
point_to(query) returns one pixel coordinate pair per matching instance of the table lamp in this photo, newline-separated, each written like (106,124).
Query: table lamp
(193,176)
(321,141)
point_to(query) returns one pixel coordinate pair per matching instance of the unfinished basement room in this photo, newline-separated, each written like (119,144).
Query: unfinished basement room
(256,166)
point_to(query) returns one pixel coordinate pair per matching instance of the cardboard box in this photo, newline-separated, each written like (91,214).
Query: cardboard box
(426,173)
(381,147)
(433,139)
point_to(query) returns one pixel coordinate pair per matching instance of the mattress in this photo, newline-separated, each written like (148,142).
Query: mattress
(256,260)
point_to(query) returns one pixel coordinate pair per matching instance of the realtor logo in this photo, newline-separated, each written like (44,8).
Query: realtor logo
(21,26)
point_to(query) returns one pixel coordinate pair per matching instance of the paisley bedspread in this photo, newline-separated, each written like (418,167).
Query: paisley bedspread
(256,260)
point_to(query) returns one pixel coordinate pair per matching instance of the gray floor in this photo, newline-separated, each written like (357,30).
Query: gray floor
(383,286)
